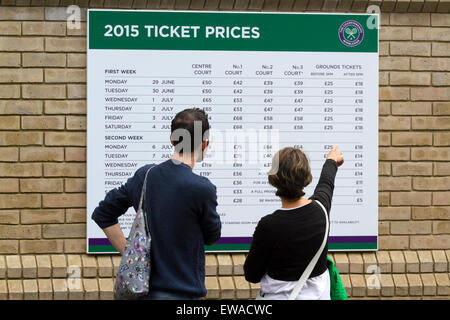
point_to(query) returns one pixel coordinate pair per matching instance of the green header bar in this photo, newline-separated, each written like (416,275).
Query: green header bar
(175,30)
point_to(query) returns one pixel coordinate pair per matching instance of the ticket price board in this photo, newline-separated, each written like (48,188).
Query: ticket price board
(266,80)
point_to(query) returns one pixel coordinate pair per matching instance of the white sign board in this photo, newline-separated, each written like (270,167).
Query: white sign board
(301,80)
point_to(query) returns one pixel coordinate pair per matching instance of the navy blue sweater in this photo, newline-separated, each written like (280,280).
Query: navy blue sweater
(182,218)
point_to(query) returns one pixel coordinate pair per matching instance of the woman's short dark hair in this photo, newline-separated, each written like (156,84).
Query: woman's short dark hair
(293,174)
(185,120)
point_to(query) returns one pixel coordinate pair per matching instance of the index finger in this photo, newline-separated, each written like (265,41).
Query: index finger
(334,147)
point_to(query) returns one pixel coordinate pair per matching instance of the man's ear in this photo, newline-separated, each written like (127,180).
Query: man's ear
(205,144)
(171,141)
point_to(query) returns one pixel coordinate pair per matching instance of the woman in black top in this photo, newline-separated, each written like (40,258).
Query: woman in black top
(285,241)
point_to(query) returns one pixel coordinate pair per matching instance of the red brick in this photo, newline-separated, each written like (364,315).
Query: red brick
(65,75)
(41,185)
(76,122)
(9,217)
(394,183)
(384,138)
(72,230)
(431,213)
(437,34)
(20,138)
(38,216)
(434,183)
(394,123)
(441,139)
(410,19)
(64,169)
(441,108)
(75,185)
(21,107)
(20,169)
(394,153)
(9,246)
(64,200)
(430,93)
(75,245)
(441,227)
(412,138)
(43,122)
(43,91)
(393,242)
(9,154)
(20,232)
(76,91)
(383,198)
(440,78)
(410,78)
(76,60)
(384,108)
(412,169)
(383,227)
(430,64)
(430,241)
(65,139)
(75,215)
(75,154)
(11,201)
(43,28)
(41,246)
(411,108)
(384,168)
(430,123)
(394,213)
(54,44)
(403,48)
(411,227)
(9,185)
(394,63)
(21,13)
(65,107)
(410,198)
(429,153)
(19,44)
(440,19)
(393,93)
(41,154)
(440,49)
(20,75)
(9,59)
(9,91)
(441,198)
(395,33)
(10,28)
(41,59)
(442,169)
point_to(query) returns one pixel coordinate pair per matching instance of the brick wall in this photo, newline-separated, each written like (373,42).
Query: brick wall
(43,138)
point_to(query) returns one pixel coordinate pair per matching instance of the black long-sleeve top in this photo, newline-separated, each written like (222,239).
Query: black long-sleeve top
(284,242)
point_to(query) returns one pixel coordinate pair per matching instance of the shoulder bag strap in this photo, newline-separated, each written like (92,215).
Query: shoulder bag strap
(301,282)
(142,201)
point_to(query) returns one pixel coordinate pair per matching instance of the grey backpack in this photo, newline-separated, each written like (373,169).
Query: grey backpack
(133,274)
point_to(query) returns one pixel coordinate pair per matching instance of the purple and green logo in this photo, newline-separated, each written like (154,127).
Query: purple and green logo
(351,33)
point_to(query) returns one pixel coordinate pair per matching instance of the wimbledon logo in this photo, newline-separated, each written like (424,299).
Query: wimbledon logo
(351,33)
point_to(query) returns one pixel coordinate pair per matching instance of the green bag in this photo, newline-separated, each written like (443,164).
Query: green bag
(337,290)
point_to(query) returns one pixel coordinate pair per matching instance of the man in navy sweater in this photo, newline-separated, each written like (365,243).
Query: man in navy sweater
(181,212)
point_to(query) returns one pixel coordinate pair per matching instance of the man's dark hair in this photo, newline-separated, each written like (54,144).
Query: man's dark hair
(185,120)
